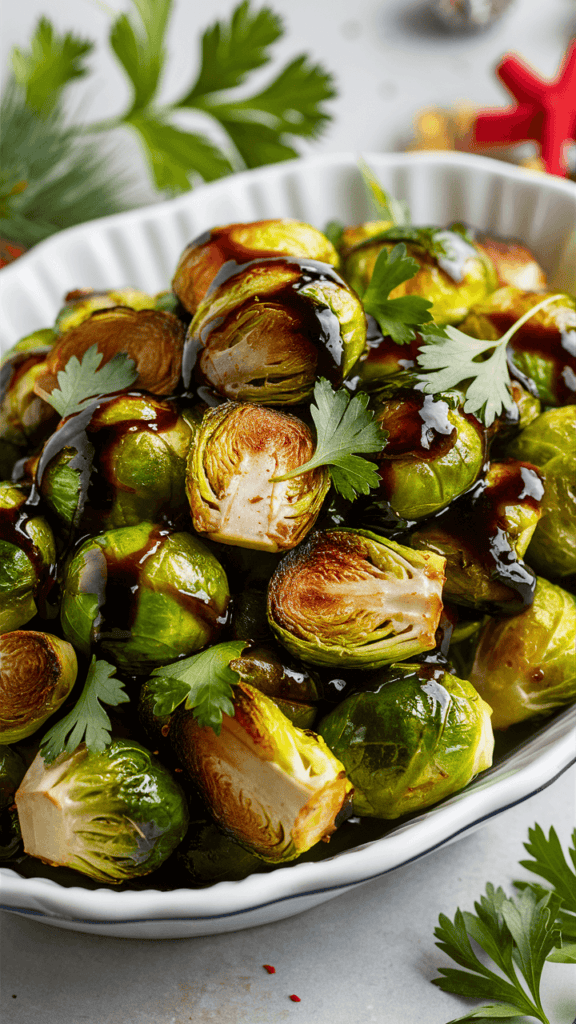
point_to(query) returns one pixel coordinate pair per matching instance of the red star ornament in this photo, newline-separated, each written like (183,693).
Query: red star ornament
(545,111)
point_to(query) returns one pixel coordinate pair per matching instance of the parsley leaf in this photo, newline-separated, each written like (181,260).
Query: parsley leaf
(80,382)
(452,358)
(174,155)
(51,63)
(88,721)
(516,935)
(139,46)
(550,863)
(385,204)
(396,317)
(344,427)
(203,683)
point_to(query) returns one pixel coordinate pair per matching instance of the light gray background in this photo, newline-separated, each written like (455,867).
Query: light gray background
(369,955)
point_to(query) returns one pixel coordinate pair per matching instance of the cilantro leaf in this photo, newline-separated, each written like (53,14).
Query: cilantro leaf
(139,46)
(88,721)
(452,358)
(344,428)
(51,63)
(385,204)
(203,683)
(173,154)
(396,317)
(80,382)
(550,863)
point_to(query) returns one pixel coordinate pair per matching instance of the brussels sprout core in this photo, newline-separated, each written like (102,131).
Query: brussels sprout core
(352,598)
(277,789)
(37,672)
(238,452)
(113,815)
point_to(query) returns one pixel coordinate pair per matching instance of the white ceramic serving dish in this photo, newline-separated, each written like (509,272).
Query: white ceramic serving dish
(141,248)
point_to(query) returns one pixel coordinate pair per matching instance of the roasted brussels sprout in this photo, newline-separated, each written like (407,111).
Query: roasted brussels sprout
(113,815)
(121,461)
(542,354)
(292,688)
(27,558)
(267,329)
(434,451)
(549,443)
(143,596)
(230,481)
(526,665)
(25,418)
(273,787)
(351,598)
(152,338)
(81,303)
(12,771)
(210,856)
(203,258)
(37,672)
(413,740)
(454,276)
(483,536)
(513,263)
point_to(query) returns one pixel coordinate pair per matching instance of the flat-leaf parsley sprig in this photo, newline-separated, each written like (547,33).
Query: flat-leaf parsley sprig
(450,358)
(88,722)
(203,683)
(396,317)
(345,427)
(82,381)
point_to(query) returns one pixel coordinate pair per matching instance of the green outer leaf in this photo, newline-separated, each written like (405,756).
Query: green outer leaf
(395,315)
(138,45)
(51,63)
(203,683)
(87,721)
(387,207)
(565,955)
(174,155)
(80,382)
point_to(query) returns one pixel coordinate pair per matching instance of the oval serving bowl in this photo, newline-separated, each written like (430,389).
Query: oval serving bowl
(141,248)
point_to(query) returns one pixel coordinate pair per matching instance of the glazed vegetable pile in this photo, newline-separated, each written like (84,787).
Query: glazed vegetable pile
(281,547)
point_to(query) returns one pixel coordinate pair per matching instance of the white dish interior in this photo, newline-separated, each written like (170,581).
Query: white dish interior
(141,248)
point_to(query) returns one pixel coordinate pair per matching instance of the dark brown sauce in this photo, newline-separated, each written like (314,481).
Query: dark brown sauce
(13,523)
(557,347)
(316,322)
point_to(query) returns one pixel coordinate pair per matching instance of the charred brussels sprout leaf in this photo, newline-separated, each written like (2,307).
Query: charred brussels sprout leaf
(526,665)
(112,815)
(352,598)
(37,672)
(421,735)
(235,482)
(273,787)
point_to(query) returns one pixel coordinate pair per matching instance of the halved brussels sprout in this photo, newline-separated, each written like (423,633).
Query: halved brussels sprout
(483,536)
(353,598)
(452,282)
(543,351)
(434,451)
(266,330)
(203,258)
(415,739)
(230,482)
(37,672)
(548,442)
(152,338)
(144,595)
(27,558)
(81,303)
(113,815)
(117,463)
(273,787)
(526,665)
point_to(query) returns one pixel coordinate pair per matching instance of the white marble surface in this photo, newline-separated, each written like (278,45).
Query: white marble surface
(367,956)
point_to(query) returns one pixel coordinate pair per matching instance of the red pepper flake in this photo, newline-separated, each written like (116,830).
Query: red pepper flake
(295,999)
(269,968)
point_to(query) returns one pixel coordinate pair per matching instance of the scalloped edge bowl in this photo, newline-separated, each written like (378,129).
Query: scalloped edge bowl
(141,248)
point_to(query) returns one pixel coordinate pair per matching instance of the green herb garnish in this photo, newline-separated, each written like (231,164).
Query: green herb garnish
(81,381)
(386,206)
(452,359)
(203,683)
(88,721)
(344,428)
(396,317)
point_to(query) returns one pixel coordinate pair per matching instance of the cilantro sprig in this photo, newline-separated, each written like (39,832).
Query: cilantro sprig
(518,935)
(345,427)
(396,317)
(88,722)
(203,683)
(82,381)
(450,358)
